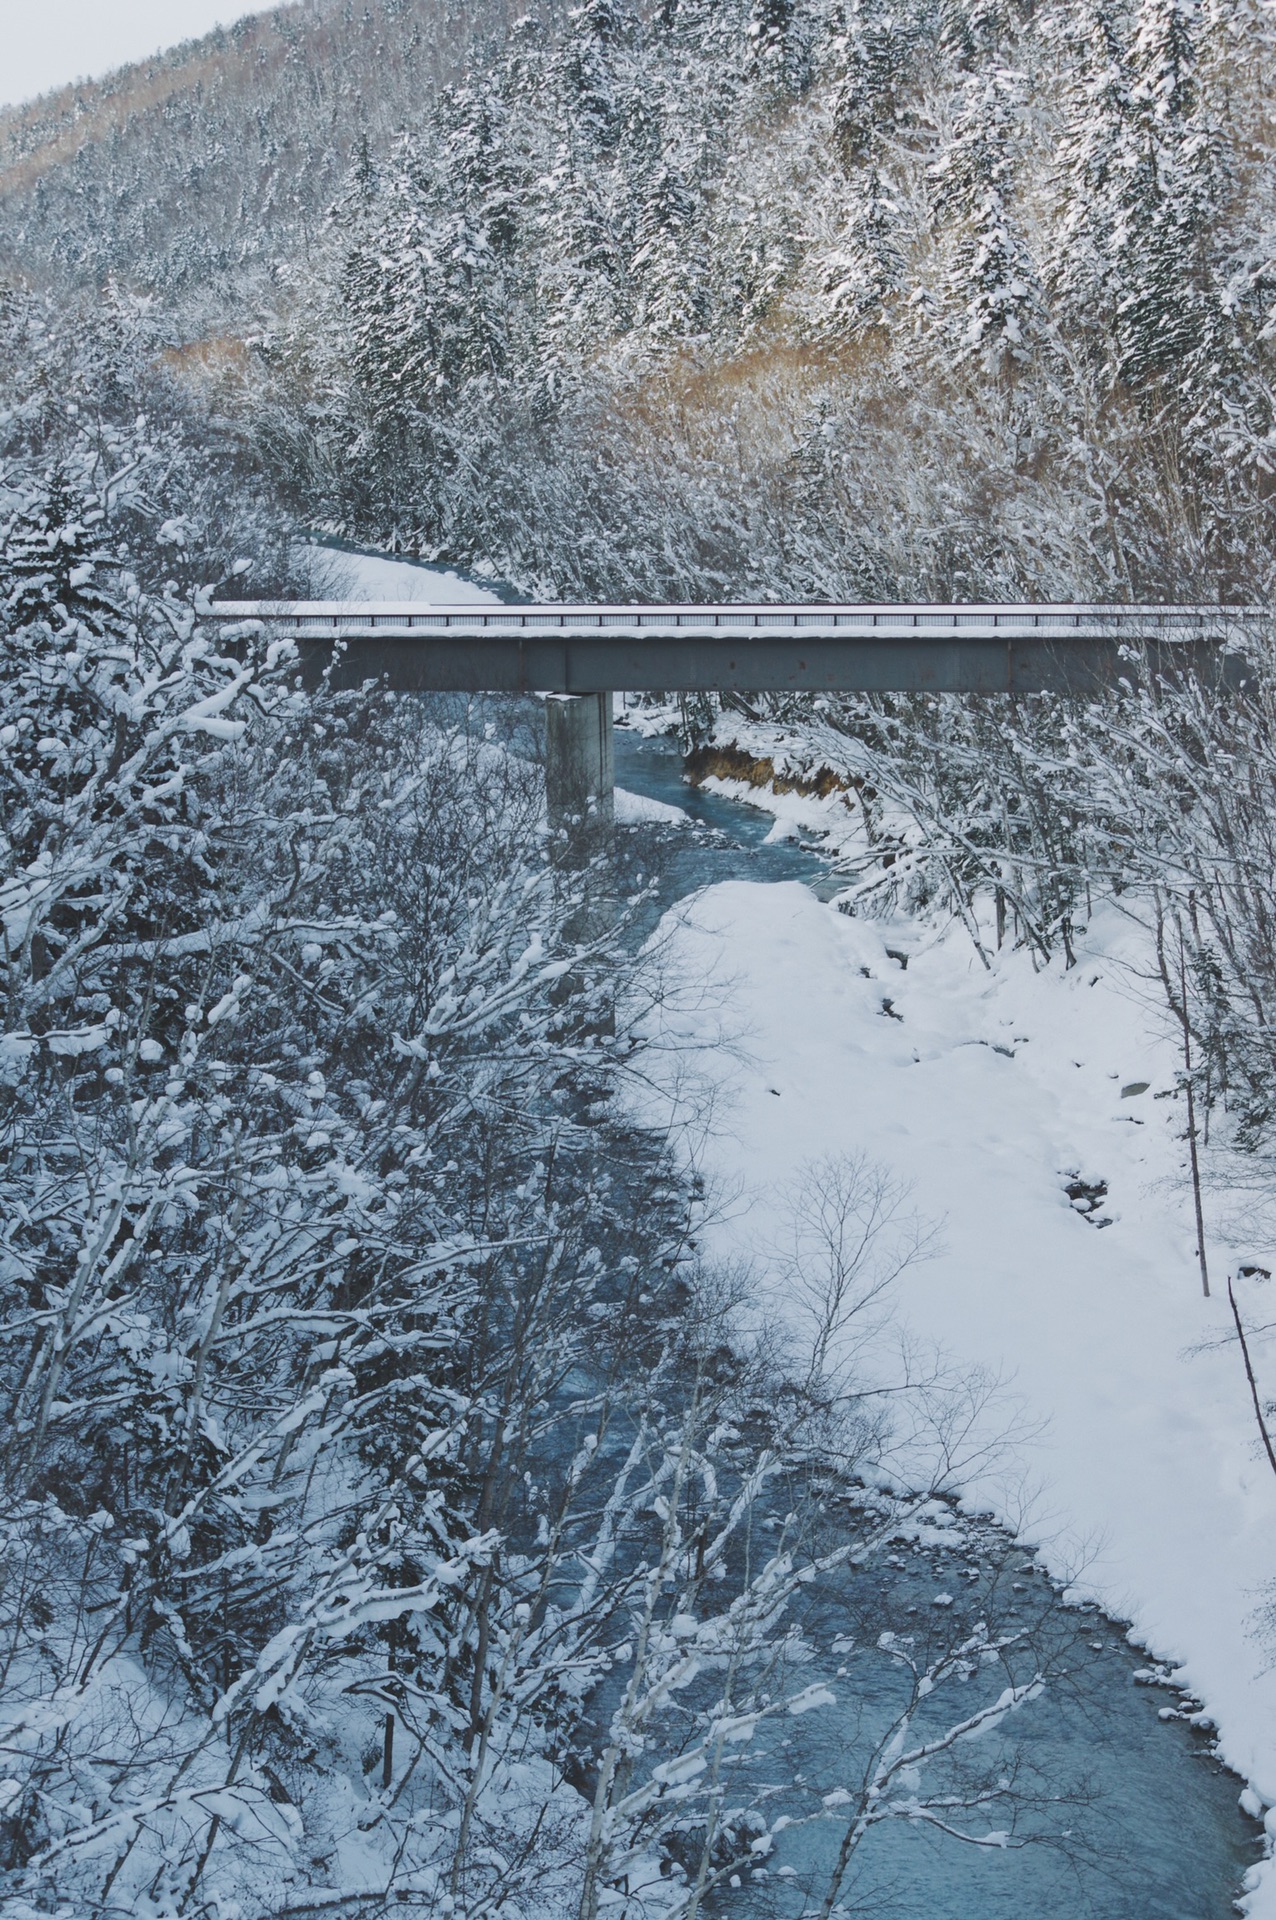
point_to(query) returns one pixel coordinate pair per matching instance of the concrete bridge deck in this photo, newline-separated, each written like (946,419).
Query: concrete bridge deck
(751,649)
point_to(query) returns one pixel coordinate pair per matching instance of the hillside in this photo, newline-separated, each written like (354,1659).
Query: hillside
(749,298)
(791,297)
(195,173)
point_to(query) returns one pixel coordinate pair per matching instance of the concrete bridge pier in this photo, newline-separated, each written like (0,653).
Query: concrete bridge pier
(580,800)
(580,769)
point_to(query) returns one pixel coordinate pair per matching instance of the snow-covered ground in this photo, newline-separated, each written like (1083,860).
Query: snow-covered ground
(639,809)
(1134,1467)
(375,576)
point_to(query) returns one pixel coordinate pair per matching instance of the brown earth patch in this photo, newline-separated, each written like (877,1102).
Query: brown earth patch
(757,397)
(735,763)
(208,359)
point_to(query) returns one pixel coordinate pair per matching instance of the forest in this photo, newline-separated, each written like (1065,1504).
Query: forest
(400,1505)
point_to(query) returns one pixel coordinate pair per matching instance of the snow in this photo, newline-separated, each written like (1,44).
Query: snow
(1132,1462)
(797,816)
(636,809)
(375,576)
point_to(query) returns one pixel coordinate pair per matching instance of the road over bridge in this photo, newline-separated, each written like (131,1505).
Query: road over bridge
(746,649)
(590,650)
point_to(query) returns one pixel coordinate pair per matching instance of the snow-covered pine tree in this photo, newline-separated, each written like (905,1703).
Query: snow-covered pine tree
(584,237)
(862,267)
(54,556)
(1166,312)
(972,32)
(1090,160)
(1140,162)
(993,283)
(668,266)
(868,59)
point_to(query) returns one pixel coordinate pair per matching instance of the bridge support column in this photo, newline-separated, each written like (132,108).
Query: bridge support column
(580,800)
(580,767)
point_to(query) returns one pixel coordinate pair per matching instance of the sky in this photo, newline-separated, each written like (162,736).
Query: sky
(46,43)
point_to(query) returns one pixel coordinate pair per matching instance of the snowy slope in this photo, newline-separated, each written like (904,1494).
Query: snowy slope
(639,809)
(1142,1485)
(377,576)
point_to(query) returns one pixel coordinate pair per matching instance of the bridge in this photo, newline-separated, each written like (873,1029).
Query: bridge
(587,651)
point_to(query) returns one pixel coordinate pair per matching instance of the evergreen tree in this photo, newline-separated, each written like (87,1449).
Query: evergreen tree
(1091,160)
(668,264)
(972,31)
(591,86)
(863,270)
(1166,314)
(993,281)
(55,559)
(870,59)
(770,22)
(1140,165)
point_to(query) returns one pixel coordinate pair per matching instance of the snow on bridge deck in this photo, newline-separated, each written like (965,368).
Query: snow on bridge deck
(749,649)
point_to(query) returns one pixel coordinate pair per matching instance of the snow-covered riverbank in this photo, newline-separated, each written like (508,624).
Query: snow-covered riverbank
(1133,1464)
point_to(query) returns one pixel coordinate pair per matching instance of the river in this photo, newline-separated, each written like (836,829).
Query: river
(1136,1819)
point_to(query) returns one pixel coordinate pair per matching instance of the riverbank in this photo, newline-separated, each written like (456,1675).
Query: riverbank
(1128,1456)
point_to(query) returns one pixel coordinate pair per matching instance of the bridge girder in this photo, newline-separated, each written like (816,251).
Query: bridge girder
(745,649)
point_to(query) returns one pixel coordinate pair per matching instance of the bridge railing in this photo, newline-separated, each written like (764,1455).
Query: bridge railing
(319,618)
